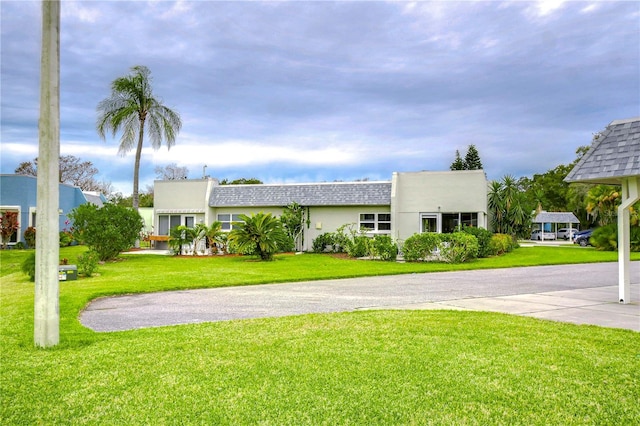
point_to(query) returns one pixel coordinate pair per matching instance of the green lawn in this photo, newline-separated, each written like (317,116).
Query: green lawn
(389,367)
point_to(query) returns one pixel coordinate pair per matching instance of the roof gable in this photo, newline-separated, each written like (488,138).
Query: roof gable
(613,156)
(555,217)
(312,194)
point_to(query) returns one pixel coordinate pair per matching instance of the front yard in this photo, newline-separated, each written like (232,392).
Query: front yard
(370,367)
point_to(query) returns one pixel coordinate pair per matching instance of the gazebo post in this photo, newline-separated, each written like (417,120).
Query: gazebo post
(629,197)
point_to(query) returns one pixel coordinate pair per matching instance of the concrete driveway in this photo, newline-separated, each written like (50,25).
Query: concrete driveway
(580,294)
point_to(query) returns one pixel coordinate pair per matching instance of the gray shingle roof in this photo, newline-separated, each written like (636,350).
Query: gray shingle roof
(310,194)
(613,156)
(556,217)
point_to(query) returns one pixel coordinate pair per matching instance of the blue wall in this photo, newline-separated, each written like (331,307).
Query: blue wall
(18,190)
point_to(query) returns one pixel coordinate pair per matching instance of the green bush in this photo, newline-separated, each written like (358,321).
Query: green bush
(88,263)
(458,247)
(358,246)
(65,239)
(501,244)
(383,247)
(484,240)
(323,240)
(108,230)
(30,236)
(606,238)
(29,266)
(420,246)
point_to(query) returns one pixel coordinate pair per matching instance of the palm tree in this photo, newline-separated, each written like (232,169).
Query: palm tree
(131,106)
(261,234)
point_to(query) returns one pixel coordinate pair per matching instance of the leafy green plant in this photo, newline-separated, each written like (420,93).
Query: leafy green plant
(29,266)
(30,236)
(383,247)
(262,233)
(179,236)
(358,246)
(606,238)
(458,247)
(88,263)
(420,246)
(216,238)
(322,241)
(501,244)
(108,230)
(484,239)
(293,219)
(66,238)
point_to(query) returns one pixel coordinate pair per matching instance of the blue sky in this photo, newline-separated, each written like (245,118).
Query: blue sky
(297,91)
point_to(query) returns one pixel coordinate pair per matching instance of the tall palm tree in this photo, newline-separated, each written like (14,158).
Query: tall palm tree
(131,106)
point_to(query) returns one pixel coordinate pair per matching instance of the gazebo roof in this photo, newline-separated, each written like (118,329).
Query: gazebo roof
(613,156)
(555,217)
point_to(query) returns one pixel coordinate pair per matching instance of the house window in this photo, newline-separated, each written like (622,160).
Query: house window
(447,222)
(167,222)
(469,219)
(227,220)
(375,221)
(429,223)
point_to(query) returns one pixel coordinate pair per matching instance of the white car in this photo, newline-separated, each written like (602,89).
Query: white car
(567,233)
(539,235)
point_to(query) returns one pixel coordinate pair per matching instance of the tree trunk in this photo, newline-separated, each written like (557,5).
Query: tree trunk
(136,167)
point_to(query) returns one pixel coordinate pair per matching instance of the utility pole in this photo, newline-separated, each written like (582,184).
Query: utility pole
(46,303)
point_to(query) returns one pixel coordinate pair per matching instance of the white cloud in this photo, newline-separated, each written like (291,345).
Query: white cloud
(246,153)
(547,7)
(81,11)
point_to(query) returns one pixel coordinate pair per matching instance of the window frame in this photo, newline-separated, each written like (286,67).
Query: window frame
(378,222)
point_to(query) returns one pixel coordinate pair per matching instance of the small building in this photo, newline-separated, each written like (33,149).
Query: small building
(551,221)
(18,193)
(409,203)
(614,159)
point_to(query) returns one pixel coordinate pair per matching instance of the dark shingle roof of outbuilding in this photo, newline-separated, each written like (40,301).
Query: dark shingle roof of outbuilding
(309,194)
(613,156)
(556,217)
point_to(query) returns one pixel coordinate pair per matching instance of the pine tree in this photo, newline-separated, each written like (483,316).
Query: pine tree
(458,163)
(472,159)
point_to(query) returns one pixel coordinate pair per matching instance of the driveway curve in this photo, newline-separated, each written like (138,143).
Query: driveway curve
(341,295)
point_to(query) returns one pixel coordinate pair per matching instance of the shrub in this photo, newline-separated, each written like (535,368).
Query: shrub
(458,247)
(108,230)
(323,240)
(420,246)
(383,247)
(358,246)
(19,245)
(606,238)
(29,266)
(501,244)
(65,239)
(484,239)
(88,263)
(30,236)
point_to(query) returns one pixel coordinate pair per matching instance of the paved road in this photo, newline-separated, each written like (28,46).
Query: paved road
(275,300)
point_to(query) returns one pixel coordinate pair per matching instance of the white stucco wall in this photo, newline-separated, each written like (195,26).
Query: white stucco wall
(180,195)
(322,219)
(413,194)
(417,193)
